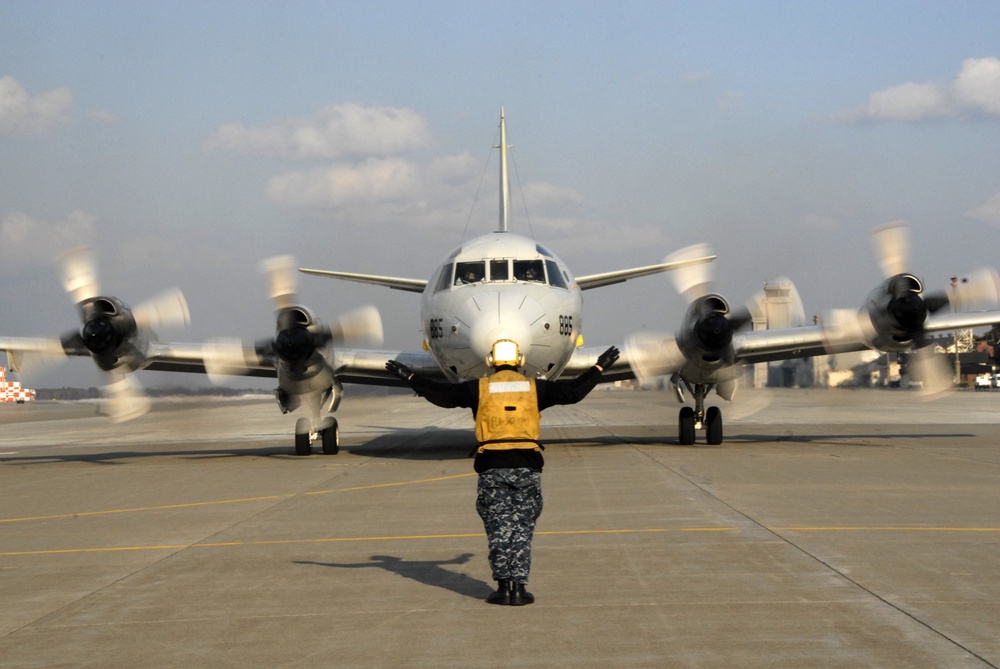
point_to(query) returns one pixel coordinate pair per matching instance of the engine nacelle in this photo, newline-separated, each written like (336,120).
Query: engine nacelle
(109,335)
(707,336)
(896,312)
(299,344)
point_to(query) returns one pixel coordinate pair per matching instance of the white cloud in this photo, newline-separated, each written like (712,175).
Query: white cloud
(376,181)
(542,196)
(989,212)
(975,91)
(571,237)
(26,242)
(333,133)
(22,114)
(978,85)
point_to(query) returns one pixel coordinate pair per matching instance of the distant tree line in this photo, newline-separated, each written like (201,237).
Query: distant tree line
(94,393)
(210,391)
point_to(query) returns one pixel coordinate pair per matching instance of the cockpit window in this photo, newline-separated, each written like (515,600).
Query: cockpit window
(499,270)
(555,277)
(529,270)
(469,272)
(444,278)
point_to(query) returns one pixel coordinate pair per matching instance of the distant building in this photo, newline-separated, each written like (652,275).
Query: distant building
(781,307)
(11,391)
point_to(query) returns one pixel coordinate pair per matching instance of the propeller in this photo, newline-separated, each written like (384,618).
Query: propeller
(80,274)
(651,355)
(692,281)
(282,280)
(299,335)
(896,311)
(115,336)
(891,245)
(705,339)
(977,290)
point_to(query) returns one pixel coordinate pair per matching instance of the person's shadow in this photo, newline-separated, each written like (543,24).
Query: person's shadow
(428,572)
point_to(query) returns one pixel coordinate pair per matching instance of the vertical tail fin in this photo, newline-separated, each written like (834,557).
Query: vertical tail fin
(504,181)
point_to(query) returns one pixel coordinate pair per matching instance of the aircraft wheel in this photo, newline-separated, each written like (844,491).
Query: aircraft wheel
(686,426)
(302,445)
(713,426)
(331,438)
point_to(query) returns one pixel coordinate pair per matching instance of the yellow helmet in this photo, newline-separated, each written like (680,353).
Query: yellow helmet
(505,352)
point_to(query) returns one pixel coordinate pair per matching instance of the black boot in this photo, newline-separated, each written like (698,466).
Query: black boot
(519,596)
(502,594)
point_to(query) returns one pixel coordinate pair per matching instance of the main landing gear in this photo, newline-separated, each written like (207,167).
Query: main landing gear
(690,420)
(328,435)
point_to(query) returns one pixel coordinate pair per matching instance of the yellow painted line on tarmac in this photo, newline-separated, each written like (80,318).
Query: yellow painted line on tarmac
(329,540)
(885,529)
(391,485)
(243,500)
(652,530)
(137,509)
(426,537)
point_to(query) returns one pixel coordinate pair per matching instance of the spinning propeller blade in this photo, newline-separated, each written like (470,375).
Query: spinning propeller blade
(80,274)
(891,244)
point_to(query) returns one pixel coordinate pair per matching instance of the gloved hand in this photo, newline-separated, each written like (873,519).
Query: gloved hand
(399,369)
(607,358)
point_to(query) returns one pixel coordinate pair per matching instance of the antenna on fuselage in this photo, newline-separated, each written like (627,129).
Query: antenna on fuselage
(504,181)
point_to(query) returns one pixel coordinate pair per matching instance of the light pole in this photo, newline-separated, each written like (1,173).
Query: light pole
(954,308)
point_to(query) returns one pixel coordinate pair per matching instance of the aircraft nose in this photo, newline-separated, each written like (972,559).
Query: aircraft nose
(514,317)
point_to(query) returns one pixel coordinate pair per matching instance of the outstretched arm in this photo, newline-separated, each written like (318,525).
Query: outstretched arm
(445,395)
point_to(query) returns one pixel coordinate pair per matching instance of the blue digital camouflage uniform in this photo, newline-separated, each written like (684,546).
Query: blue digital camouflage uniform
(509,501)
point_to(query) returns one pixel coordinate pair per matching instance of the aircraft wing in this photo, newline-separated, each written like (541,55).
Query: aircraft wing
(961,321)
(785,344)
(157,356)
(610,278)
(806,341)
(397,283)
(781,344)
(584,282)
(17,348)
(360,366)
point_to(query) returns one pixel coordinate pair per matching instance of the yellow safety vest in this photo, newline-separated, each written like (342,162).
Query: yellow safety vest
(508,415)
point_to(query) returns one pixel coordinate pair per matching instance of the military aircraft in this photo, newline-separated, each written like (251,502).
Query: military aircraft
(498,286)
(706,353)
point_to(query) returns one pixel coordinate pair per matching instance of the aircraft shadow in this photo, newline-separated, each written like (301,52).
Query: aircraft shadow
(422,444)
(735,439)
(117,457)
(850,436)
(456,444)
(427,572)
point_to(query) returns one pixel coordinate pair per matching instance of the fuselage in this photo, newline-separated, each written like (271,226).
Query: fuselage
(501,286)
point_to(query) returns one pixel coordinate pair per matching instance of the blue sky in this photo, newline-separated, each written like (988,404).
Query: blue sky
(188,141)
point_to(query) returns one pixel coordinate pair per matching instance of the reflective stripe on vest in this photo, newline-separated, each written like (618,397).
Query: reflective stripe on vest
(508,416)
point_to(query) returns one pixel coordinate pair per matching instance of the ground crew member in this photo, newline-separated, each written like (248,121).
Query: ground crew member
(507,409)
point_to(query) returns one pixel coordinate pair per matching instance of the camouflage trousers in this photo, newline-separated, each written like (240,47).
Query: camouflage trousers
(509,501)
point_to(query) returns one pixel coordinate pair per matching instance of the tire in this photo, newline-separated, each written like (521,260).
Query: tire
(302,445)
(331,438)
(713,426)
(685,426)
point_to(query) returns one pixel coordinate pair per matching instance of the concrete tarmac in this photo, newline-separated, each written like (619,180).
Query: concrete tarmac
(831,529)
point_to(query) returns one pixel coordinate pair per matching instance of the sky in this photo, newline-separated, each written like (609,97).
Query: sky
(186,142)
